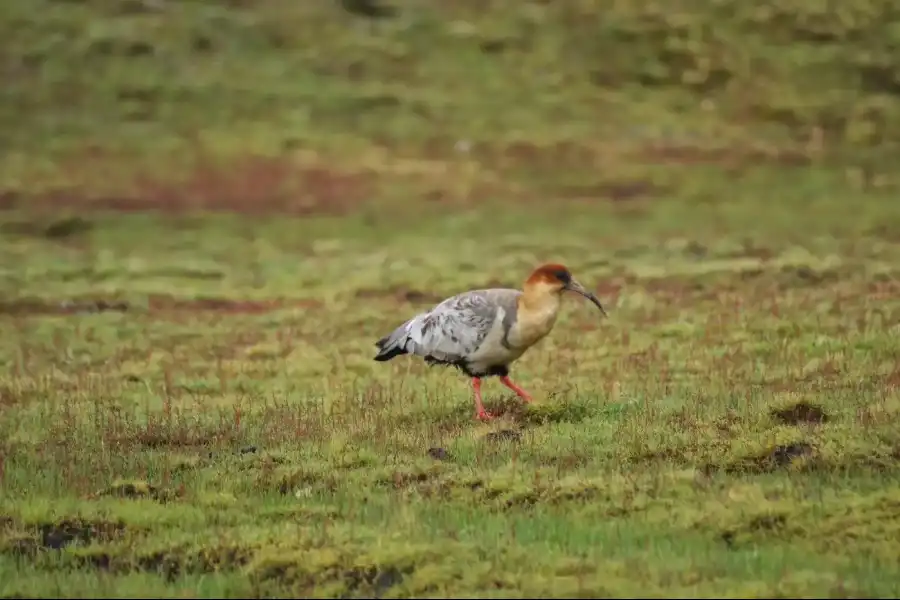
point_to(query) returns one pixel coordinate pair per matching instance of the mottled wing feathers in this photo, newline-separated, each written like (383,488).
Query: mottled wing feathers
(450,332)
(454,329)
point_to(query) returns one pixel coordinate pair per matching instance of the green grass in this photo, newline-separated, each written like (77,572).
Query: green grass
(214,210)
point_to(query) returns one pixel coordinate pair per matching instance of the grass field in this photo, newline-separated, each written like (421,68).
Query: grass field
(212,210)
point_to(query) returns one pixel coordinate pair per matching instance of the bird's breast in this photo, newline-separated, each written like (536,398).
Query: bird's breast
(532,325)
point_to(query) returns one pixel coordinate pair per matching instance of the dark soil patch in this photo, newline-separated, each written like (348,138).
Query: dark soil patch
(617,191)
(253,185)
(22,307)
(58,535)
(399,294)
(438,453)
(374,580)
(369,9)
(779,457)
(802,412)
(173,562)
(360,581)
(759,525)
(56,229)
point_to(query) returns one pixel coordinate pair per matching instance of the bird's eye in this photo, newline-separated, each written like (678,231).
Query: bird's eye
(563,276)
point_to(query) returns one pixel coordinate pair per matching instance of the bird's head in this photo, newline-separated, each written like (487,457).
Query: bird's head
(554,278)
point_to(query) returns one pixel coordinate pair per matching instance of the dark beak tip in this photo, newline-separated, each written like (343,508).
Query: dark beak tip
(580,289)
(597,303)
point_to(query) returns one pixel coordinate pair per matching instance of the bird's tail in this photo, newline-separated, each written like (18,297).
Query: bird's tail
(389,347)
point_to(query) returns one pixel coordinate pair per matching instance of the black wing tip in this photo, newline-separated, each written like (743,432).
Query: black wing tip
(389,354)
(385,352)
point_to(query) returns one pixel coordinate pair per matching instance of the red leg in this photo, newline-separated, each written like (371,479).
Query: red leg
(519,391)
(480,413)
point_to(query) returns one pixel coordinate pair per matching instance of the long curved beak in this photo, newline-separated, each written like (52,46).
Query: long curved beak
(576,287)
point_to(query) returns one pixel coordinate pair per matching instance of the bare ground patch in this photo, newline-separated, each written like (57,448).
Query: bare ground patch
(26,540)
(56,228)
(777,457)
(801,412)
(250,185)
(156,304)
(22,307)
(40,543)
(285,184)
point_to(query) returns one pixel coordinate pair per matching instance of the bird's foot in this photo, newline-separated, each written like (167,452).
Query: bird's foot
(527,399)
(484,415)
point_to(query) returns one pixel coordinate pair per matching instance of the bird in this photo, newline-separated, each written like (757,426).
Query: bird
(482,332)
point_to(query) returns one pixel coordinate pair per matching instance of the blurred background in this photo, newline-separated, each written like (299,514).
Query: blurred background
(615,136)
(325,107)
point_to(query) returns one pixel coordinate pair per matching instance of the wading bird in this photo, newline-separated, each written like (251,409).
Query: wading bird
(482,332)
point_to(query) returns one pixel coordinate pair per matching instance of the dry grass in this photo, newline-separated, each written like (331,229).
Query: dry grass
(196,402)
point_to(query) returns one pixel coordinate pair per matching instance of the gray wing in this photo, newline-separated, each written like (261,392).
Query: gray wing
(451,331)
